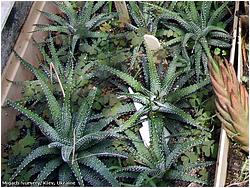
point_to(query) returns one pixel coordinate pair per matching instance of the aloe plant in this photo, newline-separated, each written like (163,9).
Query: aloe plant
(197,31)
(143,21)
(231,102)
(78,24)
(58,65)
(75,139)
(159,160)
(160,94)
(142,17)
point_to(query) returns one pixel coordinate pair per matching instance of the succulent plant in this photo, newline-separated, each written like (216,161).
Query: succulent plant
(159,161)
(231,101)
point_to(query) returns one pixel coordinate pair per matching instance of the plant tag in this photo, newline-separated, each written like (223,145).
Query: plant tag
(152,42)
(144,130)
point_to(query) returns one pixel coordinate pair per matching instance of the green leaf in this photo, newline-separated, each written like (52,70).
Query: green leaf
(66,152)
(19,149)
(25,122)
(45,128)
(180,149)
(154,79)
(38,152)
(105,27)
(177,175)
(124,76)
(84,112)
(217,51)
(206,150)
(53,104)
(13,134)
(179,94)
(27,141)
(179,113)
(97,106)
(77,172)
(48,169)
(65,174)
(204,174)
(185,160)
(97,165)
(193,157)
(224,53)
(113,99)
(24,177)
(136,41)
(214,150)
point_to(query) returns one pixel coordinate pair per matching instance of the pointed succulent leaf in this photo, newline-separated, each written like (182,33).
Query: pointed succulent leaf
(45,128)
(205,9)
(98,5)
(65,174)
(135,169)
(68,10)
(50,28)
(137,86)
(229,102)
(53,17)
(53,104)
(197,165)
(38,152)
(48,169)
(97,165)
(180,149)
(77,172)
(97,136)
(56,145)
(179,94)
(66,152)
(103,153)
(177,175)
(216,15)
(136,14)
(86,12)
(140,147)
(84,112)
(156,136)
(171,109)
(92,177)
(154,78)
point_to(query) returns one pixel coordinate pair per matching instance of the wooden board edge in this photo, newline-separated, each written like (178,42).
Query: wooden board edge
(20,47)
(13,71)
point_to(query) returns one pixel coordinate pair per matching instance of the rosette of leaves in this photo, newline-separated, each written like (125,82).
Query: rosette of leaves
(143,17)
(160,91)
(157,164)
(198,28)
(78,23)
(75,138)
(144,21)
(231,102)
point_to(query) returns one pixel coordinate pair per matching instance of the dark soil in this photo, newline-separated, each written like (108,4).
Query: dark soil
(236,160)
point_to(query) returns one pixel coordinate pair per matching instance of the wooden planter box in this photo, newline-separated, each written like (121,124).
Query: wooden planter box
(25,48)
(13,71)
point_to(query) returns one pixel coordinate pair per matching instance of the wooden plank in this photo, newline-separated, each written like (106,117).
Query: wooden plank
(240,62)
(221,164)
(13,71)
(121,8)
